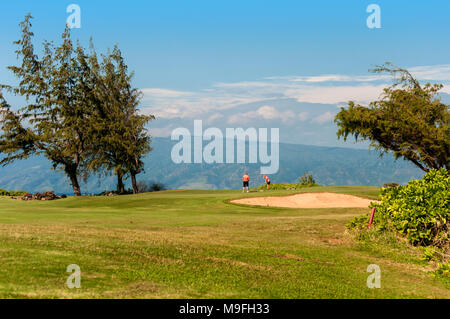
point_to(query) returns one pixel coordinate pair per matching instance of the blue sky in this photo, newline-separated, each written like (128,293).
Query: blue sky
(283,63)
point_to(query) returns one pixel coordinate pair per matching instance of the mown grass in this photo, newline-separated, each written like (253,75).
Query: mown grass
(195,244)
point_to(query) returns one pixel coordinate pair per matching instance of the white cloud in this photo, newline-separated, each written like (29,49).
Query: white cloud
(161,131)
(163,93)
(338,78)
(438,73)
(170,104)
(335,94)
(323,118)
(268,112)
(303,116)
(325,89)
(214,117)
(446,89)
(331,78)
(264,112)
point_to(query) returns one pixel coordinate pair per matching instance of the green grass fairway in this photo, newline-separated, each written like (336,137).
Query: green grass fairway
(194,244)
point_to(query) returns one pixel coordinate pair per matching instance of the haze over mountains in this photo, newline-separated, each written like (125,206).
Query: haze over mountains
(329,165)
(299,122)
(303,108)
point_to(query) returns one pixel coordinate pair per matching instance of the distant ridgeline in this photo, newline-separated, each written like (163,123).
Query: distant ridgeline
(329,166)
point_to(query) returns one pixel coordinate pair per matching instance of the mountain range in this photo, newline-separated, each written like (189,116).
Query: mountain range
(329,166)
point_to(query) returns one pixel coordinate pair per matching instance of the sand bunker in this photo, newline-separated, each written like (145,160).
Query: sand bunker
(307,200)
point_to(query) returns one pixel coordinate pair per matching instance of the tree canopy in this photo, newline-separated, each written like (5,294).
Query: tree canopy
(408,120)
(78,111)
(121,138)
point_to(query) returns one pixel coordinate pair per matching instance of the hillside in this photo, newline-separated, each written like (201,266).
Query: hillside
(330,166)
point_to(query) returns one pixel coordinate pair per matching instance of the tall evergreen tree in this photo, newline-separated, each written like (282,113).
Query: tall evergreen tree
(55,120)
(121,136)
(80,114)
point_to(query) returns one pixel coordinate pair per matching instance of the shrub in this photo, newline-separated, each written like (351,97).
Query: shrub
(307,180)
(151,186)
(142,187)
(443,270)
(418,211)
(11,193)
(284,186)
(390,185)
(156,187)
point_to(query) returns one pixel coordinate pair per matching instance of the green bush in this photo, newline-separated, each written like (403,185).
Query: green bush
(307,180)
(151,186)
(443,270)
(390,185)
(283,186)
(418,211)
(11,193)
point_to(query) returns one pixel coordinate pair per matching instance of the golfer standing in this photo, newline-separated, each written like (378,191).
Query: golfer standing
(245,180)
(266,178)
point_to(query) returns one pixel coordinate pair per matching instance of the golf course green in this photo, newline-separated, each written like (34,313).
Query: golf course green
(196,244)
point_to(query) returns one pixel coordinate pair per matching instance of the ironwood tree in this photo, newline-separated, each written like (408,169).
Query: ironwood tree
(80,114)
(409,120)
(53,121)
(120,135)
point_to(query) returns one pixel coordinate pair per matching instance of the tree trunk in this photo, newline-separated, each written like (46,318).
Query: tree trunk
(423,168)
(133,182)
(75,185)
(120,185)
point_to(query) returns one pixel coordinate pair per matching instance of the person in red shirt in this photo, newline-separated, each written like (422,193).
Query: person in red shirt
(245,180)
(266,178)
